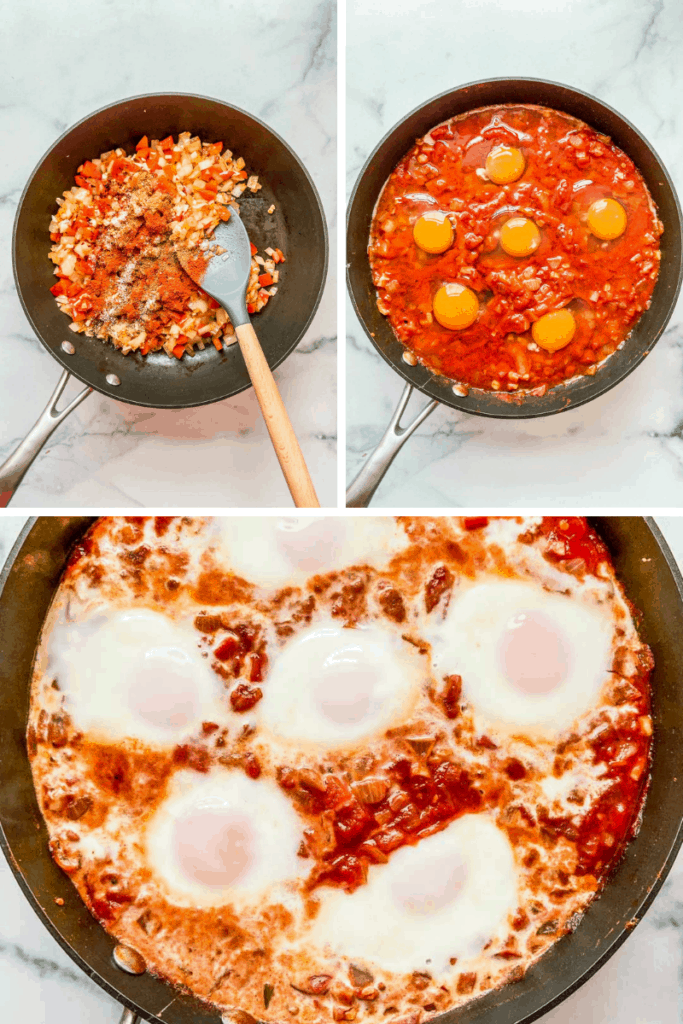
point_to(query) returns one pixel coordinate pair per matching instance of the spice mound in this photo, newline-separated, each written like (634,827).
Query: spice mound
(117,234)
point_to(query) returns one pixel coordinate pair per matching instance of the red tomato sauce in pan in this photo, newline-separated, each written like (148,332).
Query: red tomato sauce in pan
(603,284)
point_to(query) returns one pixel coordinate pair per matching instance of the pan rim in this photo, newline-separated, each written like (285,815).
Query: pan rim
(511,410)
(613,945)
(57,355)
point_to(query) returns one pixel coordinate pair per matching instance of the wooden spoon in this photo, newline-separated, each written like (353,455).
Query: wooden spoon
(222,267)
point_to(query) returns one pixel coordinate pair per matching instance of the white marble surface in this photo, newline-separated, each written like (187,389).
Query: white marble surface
(641,984)
(627,443)
(57,64)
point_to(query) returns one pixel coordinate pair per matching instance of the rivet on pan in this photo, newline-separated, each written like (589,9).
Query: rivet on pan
(129,960)
(461,390)
(67,347)
(112,379)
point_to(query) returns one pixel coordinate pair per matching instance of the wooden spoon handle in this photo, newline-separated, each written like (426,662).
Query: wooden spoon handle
(279,427)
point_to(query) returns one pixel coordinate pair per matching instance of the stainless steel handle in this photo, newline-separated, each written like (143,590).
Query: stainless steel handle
(129,1017)
(13,468)
(361,490)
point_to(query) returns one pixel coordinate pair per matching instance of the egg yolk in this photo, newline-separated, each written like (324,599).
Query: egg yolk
(455,306)
(519,236)
(554,330)
(606,219)
(433,232)
(534,653)
(504,164)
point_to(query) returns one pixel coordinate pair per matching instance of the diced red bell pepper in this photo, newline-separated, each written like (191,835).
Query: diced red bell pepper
(265,280)
(82,182)
(143,143)
(58,289)
(251,309)
(179,351)
(224,214)
(254,250)
(218,343)
(476,522)
(167,143)
(54,236)
(216,148)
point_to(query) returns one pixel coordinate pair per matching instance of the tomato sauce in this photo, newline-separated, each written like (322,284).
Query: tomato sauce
(568,166)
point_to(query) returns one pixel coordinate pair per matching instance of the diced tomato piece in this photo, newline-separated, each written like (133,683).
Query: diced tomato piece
(212,303)
(179,351)
(145,347)
(207,175)
(167,143)
(58,289)
(153,160)
(89,170)
(218,343)
(251,309)
(143,153)
(216,148)
(143,143)
(254,250)
(265,280)
(117,169)
(206,193)
(475,522)
(82,182)
(54,236)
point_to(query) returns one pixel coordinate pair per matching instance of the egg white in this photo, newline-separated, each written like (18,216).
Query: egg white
(445,897)
(332,686)
(467,641)
(259,807)
(134,674)
(280,551)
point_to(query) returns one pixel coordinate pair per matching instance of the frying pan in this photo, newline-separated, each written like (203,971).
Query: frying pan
(157,381)
(364,197)
(654,584)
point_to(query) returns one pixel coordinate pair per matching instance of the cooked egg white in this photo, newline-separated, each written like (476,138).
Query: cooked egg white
(333,686)
(134,674)
(279,551)
(529,660)
(445,897)
(224,838)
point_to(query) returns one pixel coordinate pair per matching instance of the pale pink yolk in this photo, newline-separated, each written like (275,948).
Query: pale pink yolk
(437,885)
(214,847)
(535,654)
(162,691)
(344,690)
(309,547)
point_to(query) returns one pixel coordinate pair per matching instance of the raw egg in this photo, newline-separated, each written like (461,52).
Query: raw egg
(433,232)
(519,236)
(505,164)
(455,306)
(606,219)
(554,330)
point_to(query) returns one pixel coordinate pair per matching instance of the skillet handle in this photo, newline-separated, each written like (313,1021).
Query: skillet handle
(14,467)
(361,490)
(129,1017)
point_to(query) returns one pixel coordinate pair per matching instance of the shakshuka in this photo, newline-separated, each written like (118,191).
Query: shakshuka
(513,249)
(324,769)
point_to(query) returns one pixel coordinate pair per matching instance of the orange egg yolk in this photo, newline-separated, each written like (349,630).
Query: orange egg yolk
(554,330)
(455,306)
(606,219)
(505,164)
(519,236)
(433,232)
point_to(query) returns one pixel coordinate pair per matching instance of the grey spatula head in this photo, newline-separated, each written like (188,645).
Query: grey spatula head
(227,272)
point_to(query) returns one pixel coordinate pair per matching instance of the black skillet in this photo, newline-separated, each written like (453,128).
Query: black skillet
(297,227)
(366,192)
(653,583)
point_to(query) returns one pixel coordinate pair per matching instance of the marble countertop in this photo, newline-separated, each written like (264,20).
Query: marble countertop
(39,984)
(623,445)
(57,66)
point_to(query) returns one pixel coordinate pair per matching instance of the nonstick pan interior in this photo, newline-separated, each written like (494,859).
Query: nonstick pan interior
(653,583)
(297,227)
(480,94)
